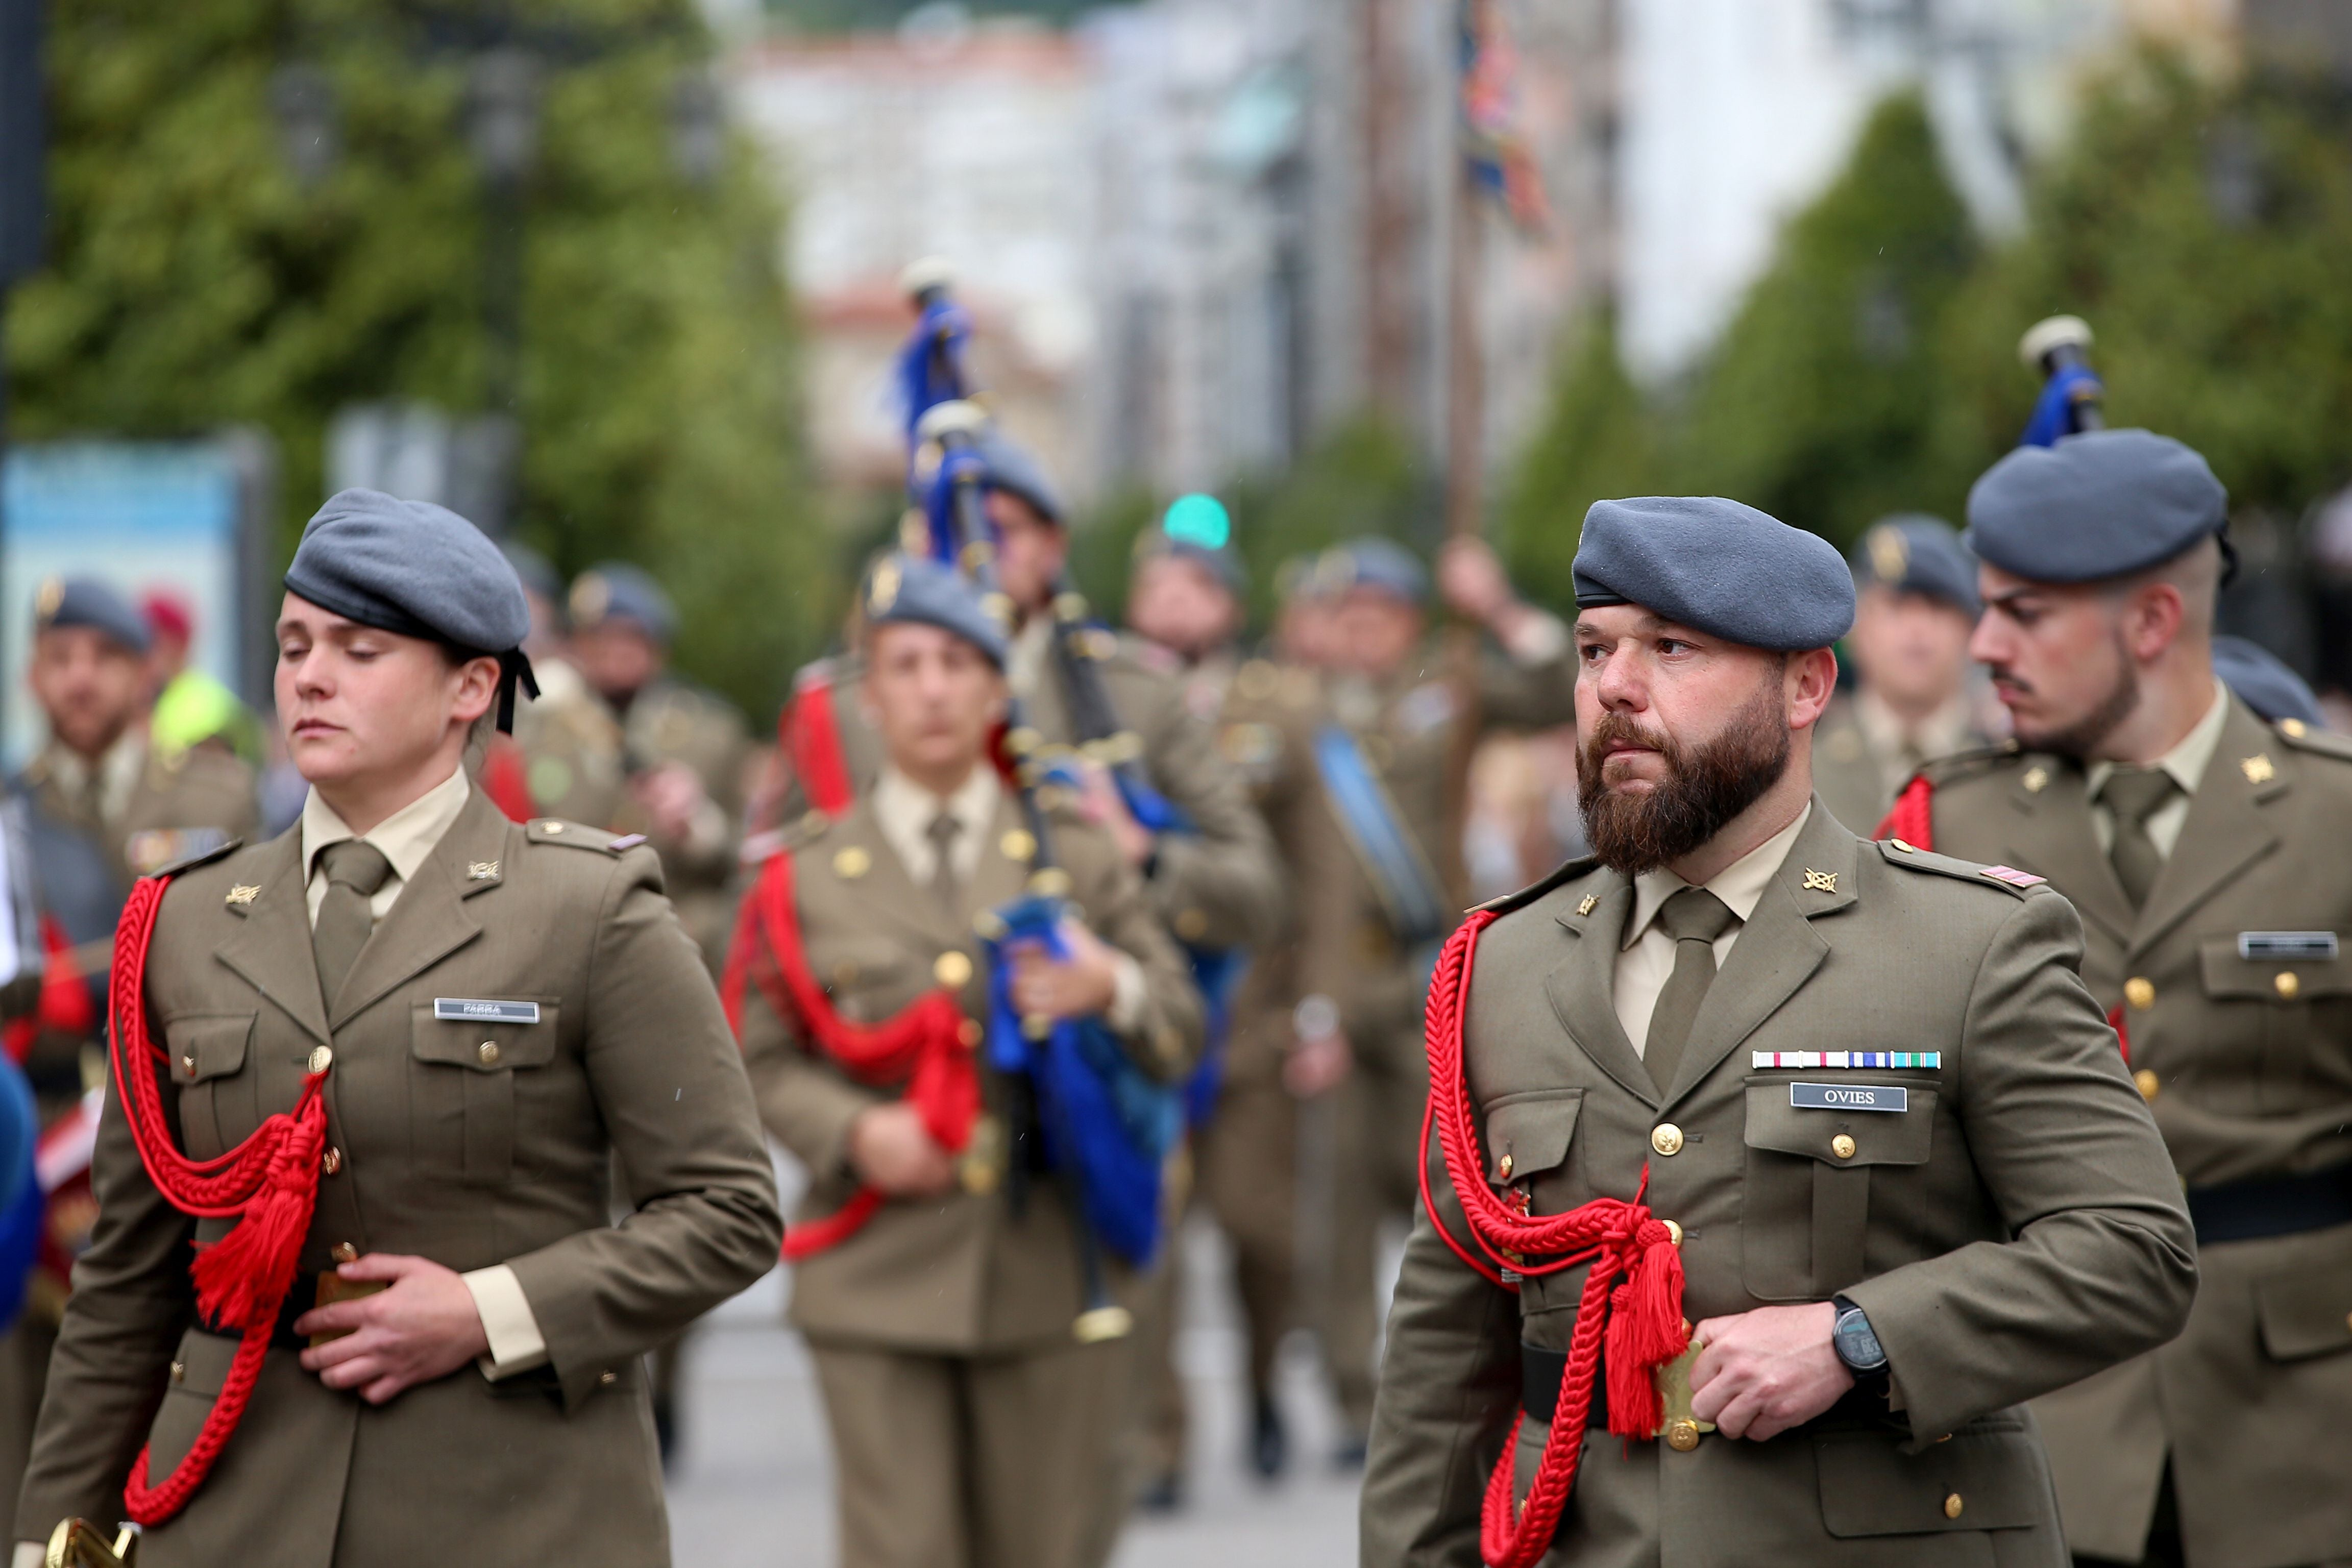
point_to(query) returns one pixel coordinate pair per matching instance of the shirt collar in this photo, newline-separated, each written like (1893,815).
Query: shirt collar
(1739,885)
(902,803)
(2188,761)
(1939,734)
(406,836)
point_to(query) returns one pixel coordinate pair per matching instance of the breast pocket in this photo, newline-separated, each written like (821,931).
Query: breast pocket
(1806,1210)
(218,1107)
(2283,1008)
(199,1369)
(1528,1137)
(462,1100)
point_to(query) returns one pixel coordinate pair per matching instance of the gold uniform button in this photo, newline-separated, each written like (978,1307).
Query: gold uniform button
(1841,1146)
(1682,1435)
(851,863)
(2287,983)
(332,1161)
(322,1058)
(344,1252)
(489,1052)
(1674,1232)
(179,1371)
(609,1378)
(2148,1083)
(1502,1167)
(2294,729)
(953,969)
(2140,992)
(1666,1137)
(1952,1506)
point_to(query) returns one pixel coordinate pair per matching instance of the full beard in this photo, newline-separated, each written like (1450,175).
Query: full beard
(1705,787)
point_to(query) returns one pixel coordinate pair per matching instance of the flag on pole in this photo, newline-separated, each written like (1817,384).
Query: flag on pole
(1499,158)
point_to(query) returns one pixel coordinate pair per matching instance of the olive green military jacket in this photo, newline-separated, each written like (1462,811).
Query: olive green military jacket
(470,1144)
(972,1271)
(1407,734)
(572,754)
(1266,719)
(2014,1228)
(1856,779)
(673,721)
(183,804)
(1218,885)
(2247,1064)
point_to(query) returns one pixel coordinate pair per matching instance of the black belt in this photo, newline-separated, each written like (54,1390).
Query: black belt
(301,1297)
(1541,1372)
(2271,1205)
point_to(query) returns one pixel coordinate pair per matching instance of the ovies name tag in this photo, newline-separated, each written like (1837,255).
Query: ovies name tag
(1849,1097)
(477,1010)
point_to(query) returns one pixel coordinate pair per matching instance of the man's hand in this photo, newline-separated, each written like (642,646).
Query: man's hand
(423,1326)
(1100,802)
(1079,986)
(894,1152)
(1763,1372)
(672,797)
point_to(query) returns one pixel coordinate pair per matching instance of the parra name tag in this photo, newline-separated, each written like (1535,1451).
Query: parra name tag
(2302,944)
(473,1010)
(1849,1097)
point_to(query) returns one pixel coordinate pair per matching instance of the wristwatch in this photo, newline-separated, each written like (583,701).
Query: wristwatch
(1858,1346)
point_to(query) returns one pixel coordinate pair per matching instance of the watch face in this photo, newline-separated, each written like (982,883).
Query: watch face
(1856,1345)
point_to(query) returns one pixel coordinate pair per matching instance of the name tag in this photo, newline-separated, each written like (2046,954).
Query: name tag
(1849,1097)
(471,1010)
(2302,944)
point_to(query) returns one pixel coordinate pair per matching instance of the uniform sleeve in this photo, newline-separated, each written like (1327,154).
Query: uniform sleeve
(1448,1392)
(2102,1260)
(131,1300)
(1221,880)
(670,1086)
(806,1103)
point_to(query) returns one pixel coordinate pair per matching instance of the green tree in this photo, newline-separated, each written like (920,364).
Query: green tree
(193,282)
(1597,439)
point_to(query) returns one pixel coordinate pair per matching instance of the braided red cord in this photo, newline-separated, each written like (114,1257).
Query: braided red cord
(929,1044)
(1912,819)
(1633,1327)
(811,738)
(268,1185)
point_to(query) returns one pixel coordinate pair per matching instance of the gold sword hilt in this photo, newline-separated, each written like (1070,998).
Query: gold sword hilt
(78,1543)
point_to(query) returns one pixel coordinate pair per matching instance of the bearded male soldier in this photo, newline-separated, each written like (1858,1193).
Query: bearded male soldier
(2204,847)
(1843,1105)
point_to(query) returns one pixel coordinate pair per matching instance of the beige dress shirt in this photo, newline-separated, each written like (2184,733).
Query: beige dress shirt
(1903,750)
(407,838)
(1647,961)
(117,772)
(904,810)
(2186,762)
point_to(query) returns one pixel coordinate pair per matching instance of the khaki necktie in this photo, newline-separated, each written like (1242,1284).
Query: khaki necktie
(945,885)
(1693,918)
(355,869)
(2133,796)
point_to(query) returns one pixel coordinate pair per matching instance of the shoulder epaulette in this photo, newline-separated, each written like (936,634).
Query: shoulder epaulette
(572,835)
(2311,738)
(1567,872)
(759,849)
(2010,879)
(1976,758)
(201,857)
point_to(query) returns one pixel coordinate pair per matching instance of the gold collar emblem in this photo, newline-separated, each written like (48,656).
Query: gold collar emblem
(243,893)
(2258,768)
(481,870)
(2036,779)
(1588,903)
(1820,881)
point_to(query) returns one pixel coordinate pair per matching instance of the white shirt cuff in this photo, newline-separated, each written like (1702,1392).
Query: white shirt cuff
(29,1554)
(1127,996)
(516,1344)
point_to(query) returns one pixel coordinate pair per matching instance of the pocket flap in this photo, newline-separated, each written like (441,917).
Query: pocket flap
(207,1046)
(1880,1137)
(2306,1311)
(484,1046)
(1988,1478)
(1534,1130)
(2269,979)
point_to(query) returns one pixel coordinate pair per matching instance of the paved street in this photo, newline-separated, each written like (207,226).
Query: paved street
(753,1486)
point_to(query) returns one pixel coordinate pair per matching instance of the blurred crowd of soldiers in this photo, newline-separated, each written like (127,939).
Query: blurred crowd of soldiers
(1319,771)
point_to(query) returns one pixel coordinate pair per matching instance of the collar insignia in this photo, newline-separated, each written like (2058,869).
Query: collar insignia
(1820,881)
(243,893)
(2036,779)
(1589,903)
(2257,768)
(481,870)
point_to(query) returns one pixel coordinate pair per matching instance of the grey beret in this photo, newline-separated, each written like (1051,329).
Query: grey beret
(1912,553)
(1009,466)
(2263,681)
(1223,565)
(418,570)
(88,601)
(617,590)
(1384,564)
(1716,566)
(917,590)
(2100,504)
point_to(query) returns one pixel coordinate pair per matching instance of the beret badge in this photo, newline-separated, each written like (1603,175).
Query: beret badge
(883,591)
(1890,554)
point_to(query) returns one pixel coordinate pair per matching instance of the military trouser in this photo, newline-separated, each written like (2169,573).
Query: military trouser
(1375,1140)
(995,1461)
